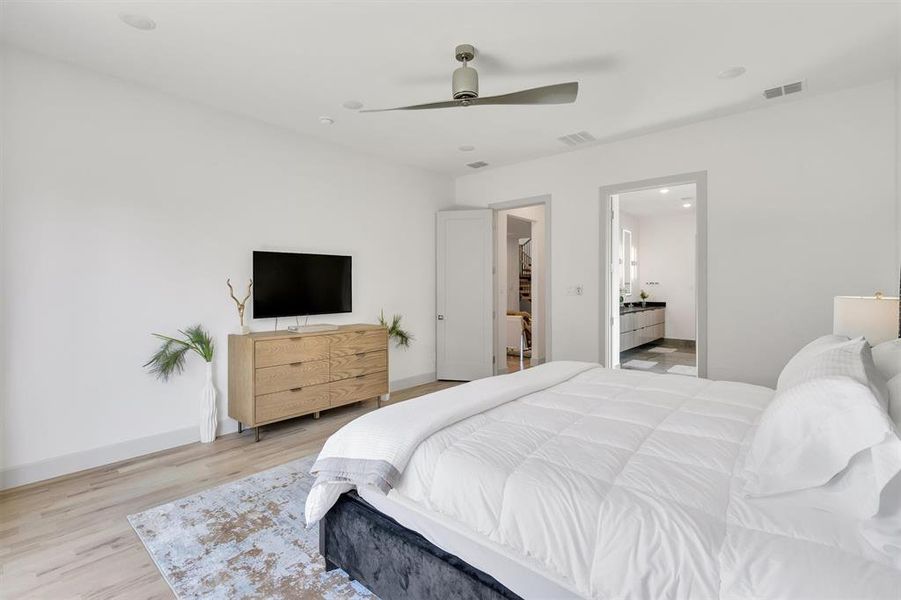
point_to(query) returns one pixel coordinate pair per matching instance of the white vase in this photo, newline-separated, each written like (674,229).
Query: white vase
(208,420)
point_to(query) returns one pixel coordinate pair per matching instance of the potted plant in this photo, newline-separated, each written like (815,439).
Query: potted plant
(169,360)
(644,296)
(401,336)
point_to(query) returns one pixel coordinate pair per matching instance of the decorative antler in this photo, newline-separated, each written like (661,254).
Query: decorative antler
(239,303)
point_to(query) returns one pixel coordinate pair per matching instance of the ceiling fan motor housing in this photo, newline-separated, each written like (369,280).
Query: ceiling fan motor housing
(466,83)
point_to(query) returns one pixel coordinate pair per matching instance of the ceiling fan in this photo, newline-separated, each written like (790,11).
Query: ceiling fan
(465,89)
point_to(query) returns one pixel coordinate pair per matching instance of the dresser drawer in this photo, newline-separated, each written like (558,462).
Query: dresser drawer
(358,388)
(358,342)
(286,377)
(353,365)
(291,403)
(288,350)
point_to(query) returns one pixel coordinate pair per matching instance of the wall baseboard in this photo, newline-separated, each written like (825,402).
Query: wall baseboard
(68,464)
(408,382)
(95,457)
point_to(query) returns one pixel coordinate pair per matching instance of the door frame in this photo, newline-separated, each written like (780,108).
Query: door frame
(545,200)
(699,179)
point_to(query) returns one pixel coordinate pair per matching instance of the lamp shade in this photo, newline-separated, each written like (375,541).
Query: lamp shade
(874,318)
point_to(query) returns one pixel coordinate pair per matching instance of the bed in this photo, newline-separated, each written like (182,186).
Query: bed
(572,480)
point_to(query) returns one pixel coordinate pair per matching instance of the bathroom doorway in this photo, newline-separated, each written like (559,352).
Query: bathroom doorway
(655,314)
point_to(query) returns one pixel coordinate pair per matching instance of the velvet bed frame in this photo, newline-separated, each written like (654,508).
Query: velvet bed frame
(394,562)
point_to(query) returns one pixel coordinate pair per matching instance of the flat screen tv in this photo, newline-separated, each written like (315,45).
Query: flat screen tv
(287,284)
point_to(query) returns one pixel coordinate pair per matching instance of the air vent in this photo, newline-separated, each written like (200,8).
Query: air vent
(477,165)
(784,90)
(575,139)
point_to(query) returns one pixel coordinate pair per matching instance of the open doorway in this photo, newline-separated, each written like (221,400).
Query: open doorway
(521,310)
(656,308)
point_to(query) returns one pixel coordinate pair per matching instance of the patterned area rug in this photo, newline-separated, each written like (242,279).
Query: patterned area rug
(244,539)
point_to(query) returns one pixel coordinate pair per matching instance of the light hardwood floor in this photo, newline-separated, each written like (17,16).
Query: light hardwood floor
(69,537)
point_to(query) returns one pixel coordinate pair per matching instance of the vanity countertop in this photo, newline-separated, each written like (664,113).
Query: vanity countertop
(626,309)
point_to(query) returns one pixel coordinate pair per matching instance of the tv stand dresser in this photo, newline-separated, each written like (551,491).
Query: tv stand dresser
(278,375)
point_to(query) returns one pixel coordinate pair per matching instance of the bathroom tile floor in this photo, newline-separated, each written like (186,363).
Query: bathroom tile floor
(681,354)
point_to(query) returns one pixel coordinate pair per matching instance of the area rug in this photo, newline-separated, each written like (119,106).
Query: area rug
(244,539)
(683,370)
(639,364)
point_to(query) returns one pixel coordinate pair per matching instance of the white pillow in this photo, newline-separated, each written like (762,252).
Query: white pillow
(858,490)
(809,434)
(834,356)
(887,357)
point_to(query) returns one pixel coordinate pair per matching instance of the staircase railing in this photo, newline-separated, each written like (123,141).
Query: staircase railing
(525,258)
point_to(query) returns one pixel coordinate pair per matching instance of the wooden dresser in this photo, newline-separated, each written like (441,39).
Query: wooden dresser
(278,375)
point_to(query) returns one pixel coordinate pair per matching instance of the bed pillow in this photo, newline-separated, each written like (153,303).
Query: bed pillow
(887,357)
(862,490)
(810,433)
(832,356)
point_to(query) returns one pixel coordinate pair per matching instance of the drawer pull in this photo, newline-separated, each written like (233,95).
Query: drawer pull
(360,354)
(297,389)
(360,376)
(297,364)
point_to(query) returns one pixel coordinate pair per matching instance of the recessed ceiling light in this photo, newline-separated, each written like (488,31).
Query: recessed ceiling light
(664,190)
(138,21)
(353,105)
(466,148)
(686,205)
(326,120)
(731,73)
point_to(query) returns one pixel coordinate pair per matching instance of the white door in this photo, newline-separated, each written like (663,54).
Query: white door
(465,294)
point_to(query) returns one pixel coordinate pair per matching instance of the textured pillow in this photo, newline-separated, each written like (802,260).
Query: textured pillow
(835,356)
(810,432)
(887,357)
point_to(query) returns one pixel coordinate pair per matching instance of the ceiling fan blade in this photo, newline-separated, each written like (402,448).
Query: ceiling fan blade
(446,104)
(561,93)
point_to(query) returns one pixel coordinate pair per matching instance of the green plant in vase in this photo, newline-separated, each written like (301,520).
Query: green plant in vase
(169,360)
(401,336)
(644,297)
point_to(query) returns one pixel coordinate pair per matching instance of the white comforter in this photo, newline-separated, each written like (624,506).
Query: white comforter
(622,484)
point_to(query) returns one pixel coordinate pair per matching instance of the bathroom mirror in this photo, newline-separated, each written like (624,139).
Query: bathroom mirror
(625,271)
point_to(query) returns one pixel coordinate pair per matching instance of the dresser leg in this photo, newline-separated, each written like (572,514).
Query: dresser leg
(240,427)
(256,433)
(382,398)
(316,415)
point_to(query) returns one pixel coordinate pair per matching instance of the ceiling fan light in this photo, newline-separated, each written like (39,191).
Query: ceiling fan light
(465,83)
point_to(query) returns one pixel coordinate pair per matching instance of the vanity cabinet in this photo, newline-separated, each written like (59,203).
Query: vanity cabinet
(641,327)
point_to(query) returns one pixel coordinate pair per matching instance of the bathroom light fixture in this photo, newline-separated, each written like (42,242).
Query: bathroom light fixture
(138,21)
(664,190)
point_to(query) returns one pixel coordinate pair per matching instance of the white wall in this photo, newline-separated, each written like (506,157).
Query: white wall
(124,212)
(801,207)
(666,255)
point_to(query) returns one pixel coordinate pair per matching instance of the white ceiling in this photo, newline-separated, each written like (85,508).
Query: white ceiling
(651,202)
(641,66)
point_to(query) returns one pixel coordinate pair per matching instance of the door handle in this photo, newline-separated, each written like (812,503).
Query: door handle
(440,317)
